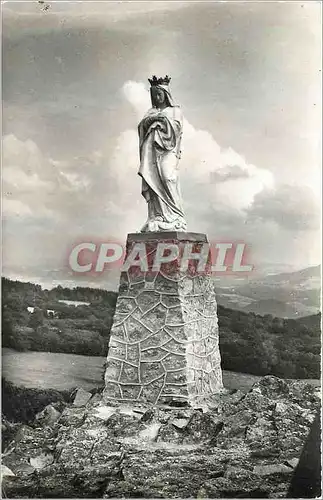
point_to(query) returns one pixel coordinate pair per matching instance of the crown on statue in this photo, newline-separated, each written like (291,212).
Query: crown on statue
(159,81)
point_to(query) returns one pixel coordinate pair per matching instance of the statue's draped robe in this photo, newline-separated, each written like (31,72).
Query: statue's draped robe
(160,134)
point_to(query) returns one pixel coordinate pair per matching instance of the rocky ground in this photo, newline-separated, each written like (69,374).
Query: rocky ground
(240,446)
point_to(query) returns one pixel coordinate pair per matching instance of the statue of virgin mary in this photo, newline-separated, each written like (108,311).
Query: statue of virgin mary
(160,133)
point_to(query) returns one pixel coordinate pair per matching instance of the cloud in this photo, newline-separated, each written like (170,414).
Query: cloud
(16,208)
(291,207)
(233,172)
(114,10)
(25,17)
(138,96)
(221,176)
(32,179)
(218,184)
(224,195)
(50,203)
(71,161)
(84,196)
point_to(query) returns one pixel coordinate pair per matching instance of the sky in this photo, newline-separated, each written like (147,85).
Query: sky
(247,76)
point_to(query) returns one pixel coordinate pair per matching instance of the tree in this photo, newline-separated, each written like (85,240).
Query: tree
(36,318)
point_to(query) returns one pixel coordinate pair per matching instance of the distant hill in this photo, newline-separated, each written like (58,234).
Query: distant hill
(313,321)
(311,274)
(286,295)
(278,308)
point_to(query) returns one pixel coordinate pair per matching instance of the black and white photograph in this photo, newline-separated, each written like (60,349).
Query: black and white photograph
(161,249)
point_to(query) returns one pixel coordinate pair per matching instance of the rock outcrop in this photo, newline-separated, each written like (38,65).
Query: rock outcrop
(241,446)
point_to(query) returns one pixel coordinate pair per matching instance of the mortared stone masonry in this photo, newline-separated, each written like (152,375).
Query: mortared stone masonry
(164,344)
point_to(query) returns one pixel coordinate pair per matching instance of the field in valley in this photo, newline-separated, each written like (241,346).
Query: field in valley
(46,370)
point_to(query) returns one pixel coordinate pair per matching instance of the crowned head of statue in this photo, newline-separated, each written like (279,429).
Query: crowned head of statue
(159,92)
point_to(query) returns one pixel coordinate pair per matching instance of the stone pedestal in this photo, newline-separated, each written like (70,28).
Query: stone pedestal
(164,338)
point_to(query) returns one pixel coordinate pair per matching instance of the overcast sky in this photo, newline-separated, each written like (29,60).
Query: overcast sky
(247,76)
